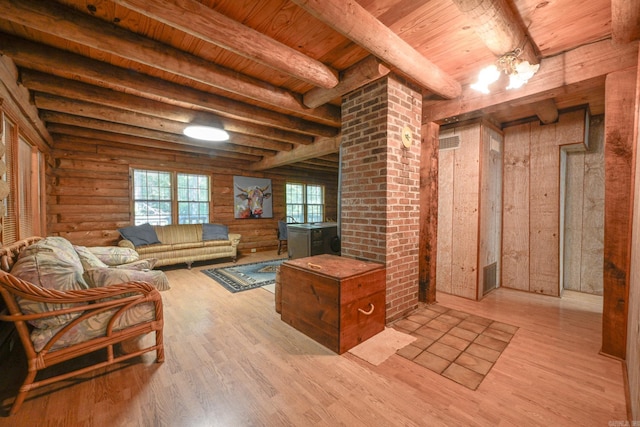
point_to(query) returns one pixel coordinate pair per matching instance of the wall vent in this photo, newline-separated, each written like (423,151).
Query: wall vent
(449,142)
(489,277)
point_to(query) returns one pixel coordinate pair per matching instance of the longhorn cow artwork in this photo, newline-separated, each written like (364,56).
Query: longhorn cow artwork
(253,198)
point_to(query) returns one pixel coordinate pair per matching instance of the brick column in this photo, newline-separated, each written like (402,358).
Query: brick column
(380,202)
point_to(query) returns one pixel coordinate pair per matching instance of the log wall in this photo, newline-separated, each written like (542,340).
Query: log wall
(89,196)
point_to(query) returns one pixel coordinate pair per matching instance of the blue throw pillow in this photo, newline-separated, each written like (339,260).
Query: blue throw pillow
(140,235)
(215,232)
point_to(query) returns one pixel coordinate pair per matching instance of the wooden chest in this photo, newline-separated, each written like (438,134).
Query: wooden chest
(339,302)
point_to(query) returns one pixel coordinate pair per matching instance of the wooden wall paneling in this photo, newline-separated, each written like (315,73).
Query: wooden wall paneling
(490,203)
(561,211)
(621,108)
(446,182)
(544,243)
(515,201)
(571,129)
(464,264)
(591,270)
(573,212)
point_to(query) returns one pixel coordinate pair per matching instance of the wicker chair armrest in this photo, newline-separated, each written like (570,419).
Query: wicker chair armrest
(85,299)
(9,253)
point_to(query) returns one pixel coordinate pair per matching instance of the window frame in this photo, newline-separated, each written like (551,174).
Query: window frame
(175,199)
(304,205)
(24,205)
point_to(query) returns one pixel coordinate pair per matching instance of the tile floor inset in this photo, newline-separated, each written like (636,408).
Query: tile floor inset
(444,351)
(464,376)
(432,362)
(457,345)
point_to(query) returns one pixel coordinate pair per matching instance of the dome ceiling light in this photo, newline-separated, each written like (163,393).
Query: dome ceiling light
(206,133)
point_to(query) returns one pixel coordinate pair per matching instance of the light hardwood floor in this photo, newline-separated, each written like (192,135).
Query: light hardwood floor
(231,361)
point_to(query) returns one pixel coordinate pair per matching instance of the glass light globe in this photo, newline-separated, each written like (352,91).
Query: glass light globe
(486,76)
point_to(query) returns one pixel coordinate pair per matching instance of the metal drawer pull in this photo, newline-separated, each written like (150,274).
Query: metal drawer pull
(367,313)
(314,266)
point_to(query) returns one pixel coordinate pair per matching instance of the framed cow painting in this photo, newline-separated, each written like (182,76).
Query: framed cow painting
(252,197)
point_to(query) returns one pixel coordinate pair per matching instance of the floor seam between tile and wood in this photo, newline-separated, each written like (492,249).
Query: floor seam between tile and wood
(457,345)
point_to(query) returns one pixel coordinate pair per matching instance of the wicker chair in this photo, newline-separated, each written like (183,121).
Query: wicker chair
(108,301)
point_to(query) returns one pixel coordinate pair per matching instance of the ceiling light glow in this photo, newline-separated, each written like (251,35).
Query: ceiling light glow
(206,133)
(519,72)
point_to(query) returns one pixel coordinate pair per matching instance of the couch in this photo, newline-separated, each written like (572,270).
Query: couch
(66,301)
(178,243)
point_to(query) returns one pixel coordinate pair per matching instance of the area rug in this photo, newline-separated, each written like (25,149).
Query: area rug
(381,346)
(459,346)
(238,278)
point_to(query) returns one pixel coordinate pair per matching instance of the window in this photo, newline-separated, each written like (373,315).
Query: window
(315,203)
(193,199)
(160,196)
(305,203)
(22,207)
(152,197)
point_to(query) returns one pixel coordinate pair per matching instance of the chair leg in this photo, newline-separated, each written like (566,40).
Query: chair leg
(22,394)
(160,344)
(279,246)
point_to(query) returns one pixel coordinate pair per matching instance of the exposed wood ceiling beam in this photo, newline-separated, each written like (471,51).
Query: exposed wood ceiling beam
(79,136)
(205,23)
(322,163)
(360,74)
(500,29)
(57,20)
(546,111)
(151,119)
(354,22)
(321,147)
(310,166)
(258,142)
(71,89)
(573,67)
(72,66)
(625,20)
(223,150)
(498,26)
(123,116)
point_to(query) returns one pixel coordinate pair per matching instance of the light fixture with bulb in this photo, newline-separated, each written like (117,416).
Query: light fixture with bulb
(518,70)
(206,133)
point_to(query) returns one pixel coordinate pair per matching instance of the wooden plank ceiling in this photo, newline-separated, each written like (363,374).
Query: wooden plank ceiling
(273,71)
